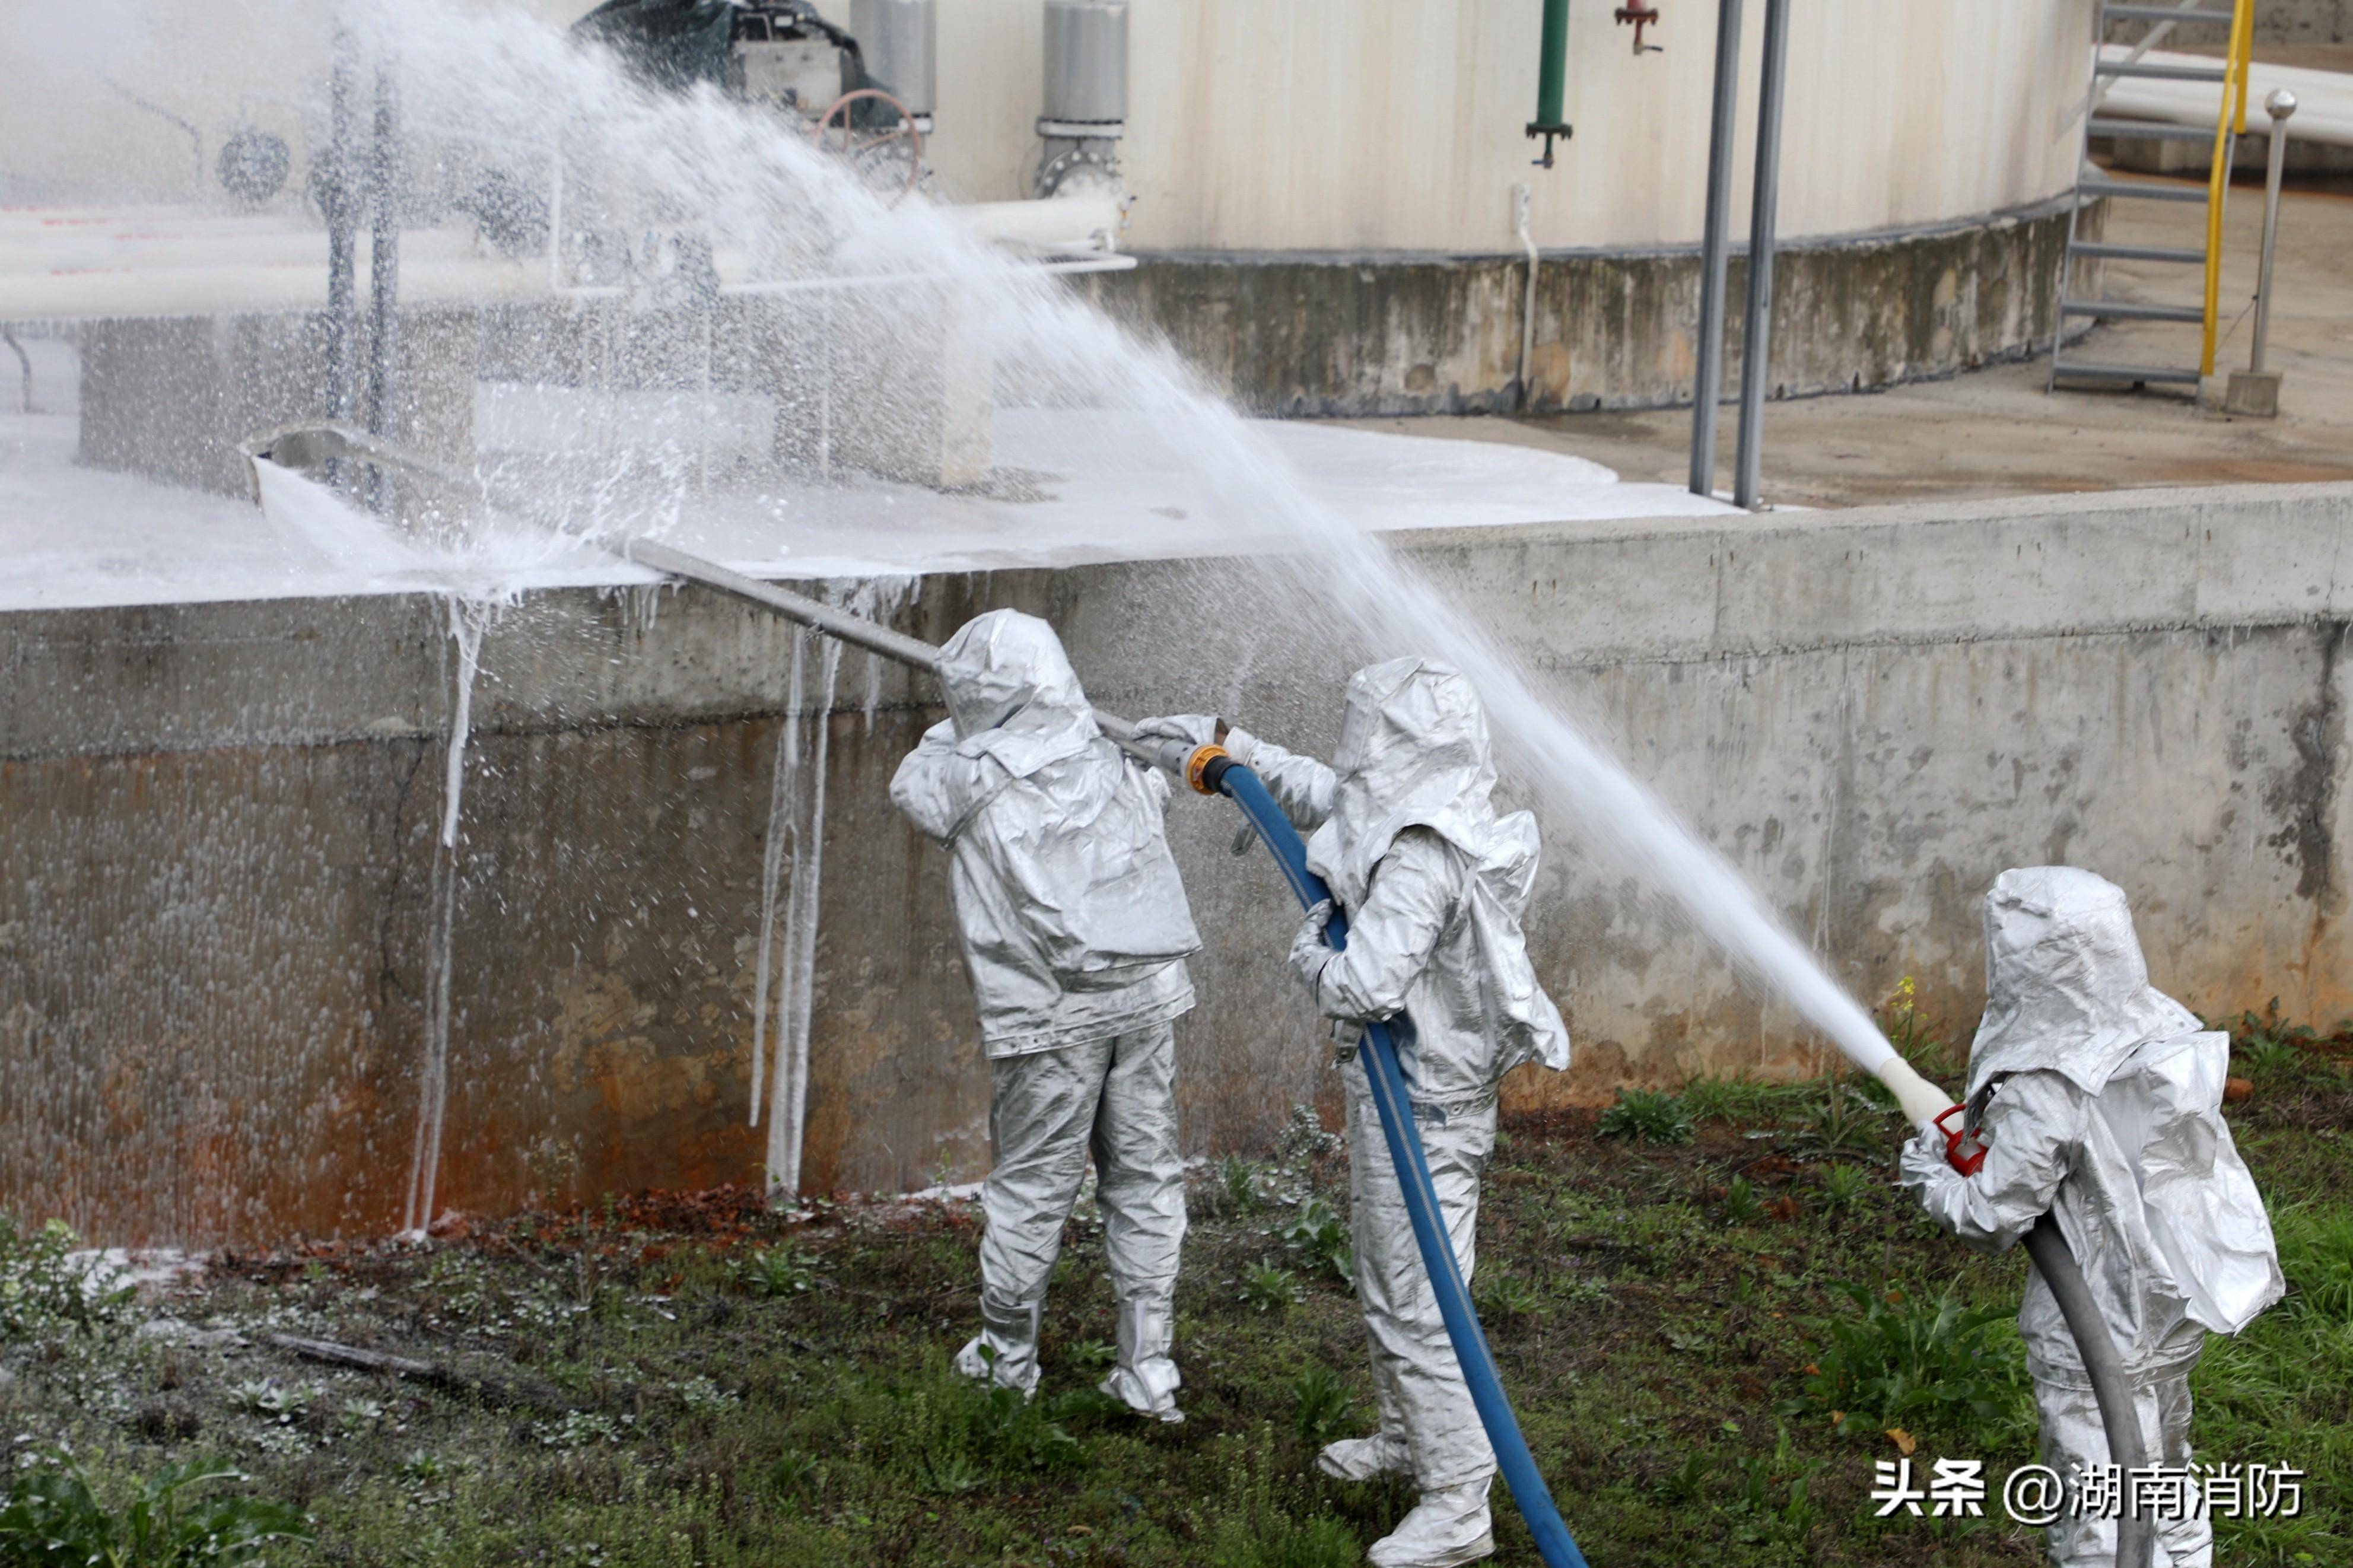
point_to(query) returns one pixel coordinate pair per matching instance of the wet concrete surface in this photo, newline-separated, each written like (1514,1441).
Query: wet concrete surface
(1997,432)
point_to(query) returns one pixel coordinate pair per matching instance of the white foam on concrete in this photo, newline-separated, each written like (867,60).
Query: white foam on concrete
(1069,487)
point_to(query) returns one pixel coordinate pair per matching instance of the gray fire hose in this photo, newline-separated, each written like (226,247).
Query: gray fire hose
(2111,1384)
(2046,1247)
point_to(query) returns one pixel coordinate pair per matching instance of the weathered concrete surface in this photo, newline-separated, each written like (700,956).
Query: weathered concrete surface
(1308,334)
(216,860)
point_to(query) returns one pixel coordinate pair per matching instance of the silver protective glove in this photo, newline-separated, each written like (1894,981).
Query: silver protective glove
(1198,730)
(1309,950)
(1923,1164)
(1193,729)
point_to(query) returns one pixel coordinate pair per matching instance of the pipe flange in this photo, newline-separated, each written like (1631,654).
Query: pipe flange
(1198,763)
(1076,170)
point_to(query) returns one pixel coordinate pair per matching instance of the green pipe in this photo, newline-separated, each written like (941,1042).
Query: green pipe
(1552,79)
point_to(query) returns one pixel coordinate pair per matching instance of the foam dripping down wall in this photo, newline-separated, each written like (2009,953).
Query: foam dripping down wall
(792,877)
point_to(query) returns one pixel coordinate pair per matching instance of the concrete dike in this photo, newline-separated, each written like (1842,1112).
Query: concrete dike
(218,824)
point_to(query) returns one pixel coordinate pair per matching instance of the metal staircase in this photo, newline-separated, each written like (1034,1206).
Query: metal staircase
(2230,78)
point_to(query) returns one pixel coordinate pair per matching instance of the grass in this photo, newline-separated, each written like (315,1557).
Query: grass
(1647,1116)
(688,1379)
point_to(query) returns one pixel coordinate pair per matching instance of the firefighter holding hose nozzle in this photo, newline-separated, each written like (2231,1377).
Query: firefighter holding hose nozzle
(1075,931)
(1404,829)
(2096,1099)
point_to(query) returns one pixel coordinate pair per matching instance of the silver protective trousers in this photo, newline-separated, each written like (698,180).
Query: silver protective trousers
(1048,1111)
(1417,1381)
(2073,1440)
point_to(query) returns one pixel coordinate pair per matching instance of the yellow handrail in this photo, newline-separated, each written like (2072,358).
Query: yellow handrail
(2231,123)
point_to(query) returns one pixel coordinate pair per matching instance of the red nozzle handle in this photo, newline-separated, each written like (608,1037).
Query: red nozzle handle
(1965,1147)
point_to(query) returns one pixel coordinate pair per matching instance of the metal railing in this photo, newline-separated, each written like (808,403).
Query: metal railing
(2230,124)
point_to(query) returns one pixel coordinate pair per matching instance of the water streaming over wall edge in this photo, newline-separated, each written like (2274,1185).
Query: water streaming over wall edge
(470,619)
(791,876)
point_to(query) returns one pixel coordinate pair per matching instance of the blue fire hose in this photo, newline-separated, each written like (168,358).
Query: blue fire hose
(1378,1052)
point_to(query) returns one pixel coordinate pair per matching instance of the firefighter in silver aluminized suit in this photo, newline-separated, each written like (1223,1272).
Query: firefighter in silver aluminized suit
(2104,1105)
(1403,828)
(1075,931)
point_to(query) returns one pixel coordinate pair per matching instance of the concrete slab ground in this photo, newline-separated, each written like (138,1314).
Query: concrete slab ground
(1995,432)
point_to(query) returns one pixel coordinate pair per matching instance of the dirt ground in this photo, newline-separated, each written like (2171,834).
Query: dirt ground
(1995,431)
(1715,1314)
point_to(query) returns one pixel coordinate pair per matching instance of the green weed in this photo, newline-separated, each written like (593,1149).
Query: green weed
(1269,1288)
(1845,1187)
(1094,1354)
(1934,1366)
(1741,1204)
(1741,1101)
(50,1517)
(1771,1494)
(1238,1187)
(44,1289)
(1648,1115)
(1318,1233)
(1502,1297)
(1843,1124)
(1321,1409)
(2316,1248)
(774,1271)
(796,1480)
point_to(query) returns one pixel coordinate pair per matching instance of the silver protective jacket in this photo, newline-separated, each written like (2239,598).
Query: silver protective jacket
(2104,1108)
(1403,826)
(1073,921)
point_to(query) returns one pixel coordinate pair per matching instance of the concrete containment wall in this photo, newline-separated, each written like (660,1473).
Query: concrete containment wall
(1310,334)
(218,879)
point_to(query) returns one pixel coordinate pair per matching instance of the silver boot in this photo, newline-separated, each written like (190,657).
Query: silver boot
(1447,1527)
(1004,1352)
(1146,1379)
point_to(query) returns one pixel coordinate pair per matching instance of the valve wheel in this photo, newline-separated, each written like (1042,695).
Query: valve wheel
(859,149)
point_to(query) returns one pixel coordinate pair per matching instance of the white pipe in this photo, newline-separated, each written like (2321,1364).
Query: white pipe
(1085,221)
(242,289)
(2323,99)
(125,251)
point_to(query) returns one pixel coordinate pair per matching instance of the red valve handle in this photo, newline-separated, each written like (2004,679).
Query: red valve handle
(1965,1147)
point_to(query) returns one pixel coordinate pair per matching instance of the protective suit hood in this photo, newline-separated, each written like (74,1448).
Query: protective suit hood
(1413,752)
(2067,990)
(1012,694)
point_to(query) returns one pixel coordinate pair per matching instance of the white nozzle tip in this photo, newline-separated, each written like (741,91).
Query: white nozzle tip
(1921,1100)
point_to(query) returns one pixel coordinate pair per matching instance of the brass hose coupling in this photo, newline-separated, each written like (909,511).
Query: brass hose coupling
(1197,763)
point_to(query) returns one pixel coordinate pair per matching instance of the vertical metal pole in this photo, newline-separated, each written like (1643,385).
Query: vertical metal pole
(1707,385)
(383,264)
(340,197)
(1756,334)
(2279,106)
